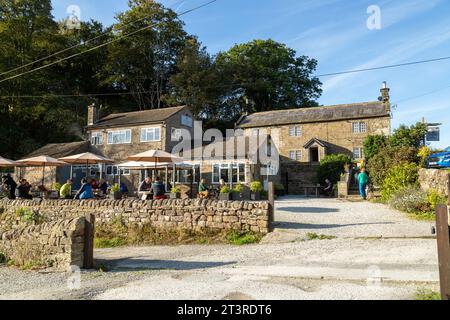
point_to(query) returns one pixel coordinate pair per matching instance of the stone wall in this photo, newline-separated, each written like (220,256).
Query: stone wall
(58,244)
(172,214)
(434,179)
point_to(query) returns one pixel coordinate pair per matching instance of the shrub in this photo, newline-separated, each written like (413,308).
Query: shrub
(57,186)
(115,188)
(279,187)
(435,198)
(241,238)
(380,164)
(256,186)
(30,216)
(332,166)
(412,136)
(225,189)
(399,177)
(410,199)
(238,188)
(424,153)
(373,145)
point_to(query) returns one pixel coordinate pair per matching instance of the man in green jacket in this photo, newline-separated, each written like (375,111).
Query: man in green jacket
(363,179)
(66,190)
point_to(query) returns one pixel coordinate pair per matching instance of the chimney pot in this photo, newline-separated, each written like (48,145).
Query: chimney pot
(92,115)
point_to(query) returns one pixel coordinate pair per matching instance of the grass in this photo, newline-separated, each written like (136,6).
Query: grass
(242,238)
(423,216)
(117,235)
(315,236)
(426,294)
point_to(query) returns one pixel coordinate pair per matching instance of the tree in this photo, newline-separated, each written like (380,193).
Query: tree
(373,144)
(145,62)
(265,75)
(412,136)
(331,167)
(399,177)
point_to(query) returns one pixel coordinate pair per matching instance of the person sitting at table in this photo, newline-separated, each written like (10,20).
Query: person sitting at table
(66,190)
(103,186)
(85,191)
(145,189)
(158,189)
(11,185)
(123,188)
(203,191)
(94,184)
(24,190)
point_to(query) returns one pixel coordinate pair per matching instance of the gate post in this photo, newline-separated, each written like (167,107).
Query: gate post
(271,205)
(88,261)
(443,243)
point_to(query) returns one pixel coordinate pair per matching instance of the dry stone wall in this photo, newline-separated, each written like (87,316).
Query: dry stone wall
(434,179)
(172,214)
(58,244)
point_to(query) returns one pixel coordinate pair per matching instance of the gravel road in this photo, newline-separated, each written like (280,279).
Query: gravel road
(378,253)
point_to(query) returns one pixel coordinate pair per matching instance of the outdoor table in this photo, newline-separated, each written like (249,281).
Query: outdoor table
(307,187)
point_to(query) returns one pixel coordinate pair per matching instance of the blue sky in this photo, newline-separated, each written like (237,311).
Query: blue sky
(335,33)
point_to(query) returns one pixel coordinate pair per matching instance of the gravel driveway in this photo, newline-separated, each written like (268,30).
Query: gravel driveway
(377,254)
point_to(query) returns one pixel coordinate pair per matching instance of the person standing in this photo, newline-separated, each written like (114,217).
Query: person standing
(11,184)
(363,179)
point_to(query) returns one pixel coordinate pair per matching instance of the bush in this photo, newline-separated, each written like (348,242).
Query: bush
(225,189)
(331,167)
(423,155)
(238,188)
(410,199)
(241,238)
(380,164)
(115,188)
(399,177)
(175,190)
(57,186)
(434,198)
(256,186)
(373,145)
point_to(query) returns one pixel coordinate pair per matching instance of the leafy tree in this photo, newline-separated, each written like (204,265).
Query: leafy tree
(265,75)
(399,177)
(331,167)
(145,62)
(373,144)
(412,136)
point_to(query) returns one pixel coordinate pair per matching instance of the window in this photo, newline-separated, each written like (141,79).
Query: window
(295,131)
(359,127)
(295,155)
(184,176)
(114,171)
(229,172)
(186,120)
(150,134)
(176,134)
(358,153)
(97,138)
(119,137)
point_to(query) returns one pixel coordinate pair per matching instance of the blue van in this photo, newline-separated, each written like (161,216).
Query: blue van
(439,160)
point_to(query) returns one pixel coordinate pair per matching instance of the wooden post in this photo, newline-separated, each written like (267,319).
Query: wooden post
(443,243)
(88,261)
(271,205)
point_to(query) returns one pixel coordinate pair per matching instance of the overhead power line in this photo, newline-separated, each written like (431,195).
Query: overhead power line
(102,45)
(383,67)
(70,48)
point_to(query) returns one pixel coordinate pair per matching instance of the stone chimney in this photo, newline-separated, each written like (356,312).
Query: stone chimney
(385,98)
(92,115)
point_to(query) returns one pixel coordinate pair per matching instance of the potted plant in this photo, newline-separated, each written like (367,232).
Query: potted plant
(256,188)
(175,193)
(238,191)
(115,191)
(225,193)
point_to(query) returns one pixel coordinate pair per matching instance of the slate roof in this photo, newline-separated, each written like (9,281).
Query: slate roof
(316,114)
(60,150)
(318,141)
(136,118)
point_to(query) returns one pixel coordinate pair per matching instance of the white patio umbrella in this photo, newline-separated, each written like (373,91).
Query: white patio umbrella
(6,163)
(86,158)
(41,161)
(155,156)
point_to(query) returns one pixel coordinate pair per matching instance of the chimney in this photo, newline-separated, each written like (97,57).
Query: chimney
(385,96)
(92,115)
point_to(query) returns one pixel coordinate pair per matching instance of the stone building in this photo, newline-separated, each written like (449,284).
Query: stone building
(304,136)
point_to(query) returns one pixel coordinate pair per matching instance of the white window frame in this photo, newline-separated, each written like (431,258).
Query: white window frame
(359,127)
(97,138)
(114,171)
(117,132)
(229,167)
(295,155)
(358,153)
(186,120)
(149,129)
(178,134)
(255,132)
(295,131)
